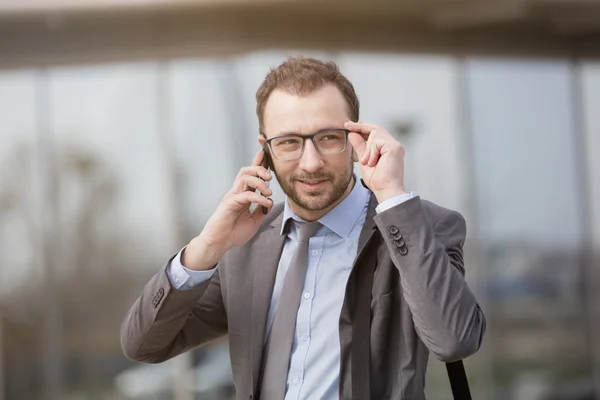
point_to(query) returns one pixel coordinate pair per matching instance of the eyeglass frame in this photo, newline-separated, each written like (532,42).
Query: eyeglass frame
(304,139)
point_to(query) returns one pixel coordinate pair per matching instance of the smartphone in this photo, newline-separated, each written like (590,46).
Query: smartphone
(265,163)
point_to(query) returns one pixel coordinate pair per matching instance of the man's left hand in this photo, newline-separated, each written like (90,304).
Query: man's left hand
(381,159)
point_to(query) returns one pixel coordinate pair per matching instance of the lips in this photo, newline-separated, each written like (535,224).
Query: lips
(313,184)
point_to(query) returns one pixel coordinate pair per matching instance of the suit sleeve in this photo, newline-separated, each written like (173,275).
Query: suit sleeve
(429,258)
(165,322)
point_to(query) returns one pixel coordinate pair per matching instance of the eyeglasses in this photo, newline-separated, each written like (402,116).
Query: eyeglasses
(291,147)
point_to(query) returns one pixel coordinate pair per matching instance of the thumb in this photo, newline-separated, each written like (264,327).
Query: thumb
(358,143)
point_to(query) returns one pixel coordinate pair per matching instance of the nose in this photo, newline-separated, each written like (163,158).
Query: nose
(311,161)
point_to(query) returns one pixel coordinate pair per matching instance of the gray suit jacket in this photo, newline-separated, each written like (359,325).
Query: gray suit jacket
(419,303)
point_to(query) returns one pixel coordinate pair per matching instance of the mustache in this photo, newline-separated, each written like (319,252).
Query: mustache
(312,177)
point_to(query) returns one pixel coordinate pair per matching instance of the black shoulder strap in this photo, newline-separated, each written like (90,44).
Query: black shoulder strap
(458,380)
(361,326)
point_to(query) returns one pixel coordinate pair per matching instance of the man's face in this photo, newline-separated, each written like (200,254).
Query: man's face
(313,182)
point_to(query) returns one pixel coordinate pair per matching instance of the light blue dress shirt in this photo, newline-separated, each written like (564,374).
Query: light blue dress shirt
(315,357)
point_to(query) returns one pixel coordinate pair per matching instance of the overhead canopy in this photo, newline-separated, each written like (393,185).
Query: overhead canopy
(35,32)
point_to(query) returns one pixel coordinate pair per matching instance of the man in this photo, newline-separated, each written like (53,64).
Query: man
(350,310)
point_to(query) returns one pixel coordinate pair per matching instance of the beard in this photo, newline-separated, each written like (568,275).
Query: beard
(316,200)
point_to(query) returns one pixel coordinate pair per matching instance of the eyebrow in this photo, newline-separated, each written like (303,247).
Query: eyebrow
(299,134)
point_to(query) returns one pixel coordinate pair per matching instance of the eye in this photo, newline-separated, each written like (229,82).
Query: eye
(289,141)
(329,137)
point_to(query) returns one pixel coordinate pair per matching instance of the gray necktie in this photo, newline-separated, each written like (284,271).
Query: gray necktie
(276,357)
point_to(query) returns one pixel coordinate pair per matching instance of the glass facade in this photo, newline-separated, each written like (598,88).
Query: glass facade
(109,169)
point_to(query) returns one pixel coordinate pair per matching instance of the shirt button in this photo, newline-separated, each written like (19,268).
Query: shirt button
(315,252)
(296,381)
(304,338)
(307,295)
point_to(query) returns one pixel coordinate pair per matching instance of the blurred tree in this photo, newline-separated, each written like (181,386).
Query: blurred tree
(95,271)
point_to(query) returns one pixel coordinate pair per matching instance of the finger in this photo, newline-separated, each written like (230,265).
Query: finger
(258,157)
(255,183)
(360,127)
(247,198)
(367,156)
(375,153)
(249,182)
(255,170)
(358,143)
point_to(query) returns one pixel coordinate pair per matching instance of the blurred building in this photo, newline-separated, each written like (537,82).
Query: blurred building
(122,123)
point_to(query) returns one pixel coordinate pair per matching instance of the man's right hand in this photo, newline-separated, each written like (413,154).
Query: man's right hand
(232,224)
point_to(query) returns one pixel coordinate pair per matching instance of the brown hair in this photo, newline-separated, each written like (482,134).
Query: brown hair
(301,76)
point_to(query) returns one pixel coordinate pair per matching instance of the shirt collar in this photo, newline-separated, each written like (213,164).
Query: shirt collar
(342,218)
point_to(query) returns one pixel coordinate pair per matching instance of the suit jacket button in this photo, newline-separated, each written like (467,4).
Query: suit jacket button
(403,250)
(399,243)
(393,230)
(158,297)
(397,237)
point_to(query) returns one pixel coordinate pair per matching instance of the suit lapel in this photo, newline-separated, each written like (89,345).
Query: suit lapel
(264,260)
(368,227)
(349,383)
(363,240)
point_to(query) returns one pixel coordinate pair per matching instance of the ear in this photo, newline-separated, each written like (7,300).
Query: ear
(354,153)
(267,152)
(269,160)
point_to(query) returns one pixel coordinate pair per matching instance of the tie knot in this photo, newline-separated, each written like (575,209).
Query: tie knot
(306,230)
